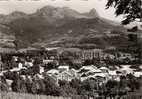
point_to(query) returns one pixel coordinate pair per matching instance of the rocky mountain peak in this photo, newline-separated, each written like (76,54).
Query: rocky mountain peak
(93,13)
(64,12)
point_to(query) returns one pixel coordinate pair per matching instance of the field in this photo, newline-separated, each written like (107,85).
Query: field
(12,95)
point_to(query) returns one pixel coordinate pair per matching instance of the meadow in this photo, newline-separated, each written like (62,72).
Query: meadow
(12,95)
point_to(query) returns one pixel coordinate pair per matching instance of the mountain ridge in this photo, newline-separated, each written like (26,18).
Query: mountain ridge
(64,10)
(55,24)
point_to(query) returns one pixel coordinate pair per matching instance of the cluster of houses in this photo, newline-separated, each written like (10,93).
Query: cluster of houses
(64,72)
(100,74)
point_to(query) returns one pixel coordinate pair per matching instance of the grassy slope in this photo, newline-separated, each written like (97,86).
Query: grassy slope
(12,95)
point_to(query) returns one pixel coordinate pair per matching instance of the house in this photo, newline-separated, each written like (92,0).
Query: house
(89,67)
(20,65)
(126,69)
(123,56)
(63,74)
(56,78)
(41,69)
(138,74)
(82,71)
(28,64)
(104,69)
(68,75)
(93,72)
(99,77)
(47,61)
(73,72)
(52,52)
(113,75)
(53,72)
(63,68)
(17,69)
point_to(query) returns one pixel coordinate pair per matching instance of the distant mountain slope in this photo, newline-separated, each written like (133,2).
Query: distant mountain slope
(6,39)
(50,25)
(12,16)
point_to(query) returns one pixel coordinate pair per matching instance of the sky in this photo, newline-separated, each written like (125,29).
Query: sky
(30,6)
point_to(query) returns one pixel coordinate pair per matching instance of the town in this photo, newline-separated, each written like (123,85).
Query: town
(70,72)
(71,49)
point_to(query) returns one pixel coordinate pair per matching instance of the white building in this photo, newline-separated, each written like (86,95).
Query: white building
(63,68)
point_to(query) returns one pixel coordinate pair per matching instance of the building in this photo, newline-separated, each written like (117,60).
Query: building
(63,68)
(65,76)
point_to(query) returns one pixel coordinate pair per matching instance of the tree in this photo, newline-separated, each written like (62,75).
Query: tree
(88,62)
(111,84)
(75,83)
(115,88)
(51,65)
(67,90)
(88,87)
(36,67)
(62,82)
(38,86)
(18,85)
(131,9)
(66,57)
(3,84)
(132,82)
(51,87)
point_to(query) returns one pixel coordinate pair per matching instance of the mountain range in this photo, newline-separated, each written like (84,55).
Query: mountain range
(58,26)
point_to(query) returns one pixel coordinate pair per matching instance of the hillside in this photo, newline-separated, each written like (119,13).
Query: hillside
(6,38)
(57,26)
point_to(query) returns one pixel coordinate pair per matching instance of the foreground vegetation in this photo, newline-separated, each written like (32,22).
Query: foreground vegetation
(78,90)
(12,95)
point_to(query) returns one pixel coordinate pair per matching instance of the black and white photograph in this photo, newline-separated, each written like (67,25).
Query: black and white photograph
(70,49)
